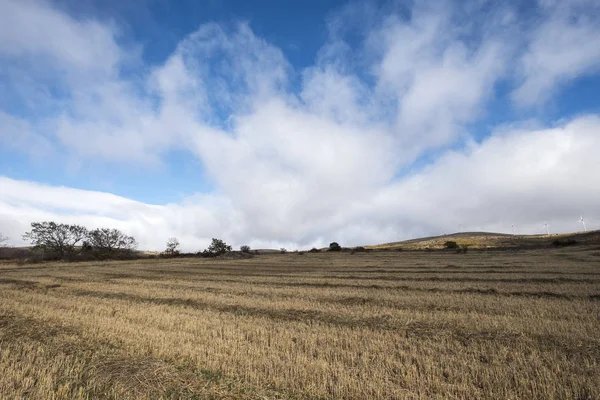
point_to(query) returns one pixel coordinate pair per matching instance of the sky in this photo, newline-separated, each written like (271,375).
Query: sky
(295,124)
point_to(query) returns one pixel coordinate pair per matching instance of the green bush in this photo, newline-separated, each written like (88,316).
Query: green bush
(450,244)
(334,246)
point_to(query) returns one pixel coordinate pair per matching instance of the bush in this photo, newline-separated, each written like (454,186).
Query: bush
(463,249)
(282,250)
(314,250)
(334,246)
(451,244)
(360,249)
(245,249)
(217,247)
(12,253)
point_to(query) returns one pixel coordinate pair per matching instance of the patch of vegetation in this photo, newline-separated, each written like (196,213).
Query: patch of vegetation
(217,247)
(334,246)
(451,244)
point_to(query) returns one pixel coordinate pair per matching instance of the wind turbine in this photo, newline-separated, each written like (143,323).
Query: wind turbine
(583,222)
(513,229)
(547,229)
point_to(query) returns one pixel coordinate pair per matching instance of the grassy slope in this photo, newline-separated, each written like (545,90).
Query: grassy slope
(492,240)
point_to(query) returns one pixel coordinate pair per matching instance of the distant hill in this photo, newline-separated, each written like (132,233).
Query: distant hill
(489,240)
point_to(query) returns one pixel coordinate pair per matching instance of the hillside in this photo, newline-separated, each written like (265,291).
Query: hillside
(488,240)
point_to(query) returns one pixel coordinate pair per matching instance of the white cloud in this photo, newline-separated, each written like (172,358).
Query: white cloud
(301,165)
(48,37)
(562,47)
(526,178)
(18,135)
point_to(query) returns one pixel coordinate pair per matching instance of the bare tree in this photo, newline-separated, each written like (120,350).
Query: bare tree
(58,240)
(3,240)
(172,247)
(106,243)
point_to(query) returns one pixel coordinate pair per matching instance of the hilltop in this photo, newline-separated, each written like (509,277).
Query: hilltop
(490,240)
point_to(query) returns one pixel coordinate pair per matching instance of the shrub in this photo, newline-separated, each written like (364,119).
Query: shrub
(314,250)
(12,253)
(463,249)
(217,247)
(334,246)
(282,250)
(245,249)
(360,249)
(451,244)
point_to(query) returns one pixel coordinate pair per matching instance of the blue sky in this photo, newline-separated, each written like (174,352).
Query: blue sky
(298,123)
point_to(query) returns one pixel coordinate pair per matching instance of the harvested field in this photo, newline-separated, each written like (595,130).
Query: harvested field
(380,325)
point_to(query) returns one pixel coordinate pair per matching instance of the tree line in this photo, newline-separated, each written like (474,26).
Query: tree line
(57,241)
(70,242)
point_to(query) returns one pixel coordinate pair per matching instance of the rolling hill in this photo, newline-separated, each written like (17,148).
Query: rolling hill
(489,240)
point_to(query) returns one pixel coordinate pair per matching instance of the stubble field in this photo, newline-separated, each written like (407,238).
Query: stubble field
(381,325)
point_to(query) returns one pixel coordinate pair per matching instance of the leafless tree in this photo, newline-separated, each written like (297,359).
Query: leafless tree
(107,243)
(172,247)
(58,240)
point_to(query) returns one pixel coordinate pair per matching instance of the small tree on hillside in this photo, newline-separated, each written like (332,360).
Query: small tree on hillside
(107,243)
(57,240)
(334,246)
(245,249)
(218,247)
(172,247)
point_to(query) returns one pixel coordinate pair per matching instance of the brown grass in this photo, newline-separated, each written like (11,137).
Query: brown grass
(486,240)
(383,325)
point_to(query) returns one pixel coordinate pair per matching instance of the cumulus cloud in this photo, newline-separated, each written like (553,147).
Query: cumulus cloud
(301,158)
(526,178)
(562,47)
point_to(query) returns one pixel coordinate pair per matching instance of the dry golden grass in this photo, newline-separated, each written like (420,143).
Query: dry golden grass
(486,240)
(390,325)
